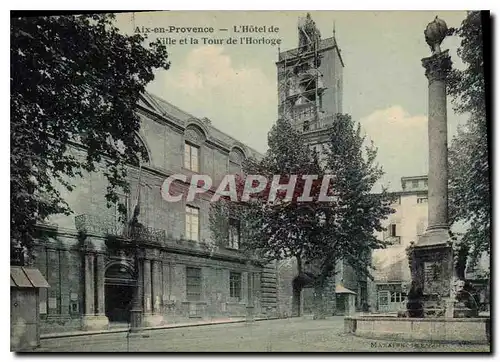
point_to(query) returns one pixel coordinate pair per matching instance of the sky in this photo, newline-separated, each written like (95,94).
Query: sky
(235,86)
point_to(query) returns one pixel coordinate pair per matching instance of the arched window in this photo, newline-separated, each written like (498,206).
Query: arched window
(194,138)
(236,158)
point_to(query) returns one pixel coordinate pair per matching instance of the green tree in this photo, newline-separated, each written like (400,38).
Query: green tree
(469,182)
(317,233)
(281,229)
(348,233)
(74,80)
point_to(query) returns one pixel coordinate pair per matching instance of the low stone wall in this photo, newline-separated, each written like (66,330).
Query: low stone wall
(468,330)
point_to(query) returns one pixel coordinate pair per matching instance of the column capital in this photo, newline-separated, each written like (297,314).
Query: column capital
(437,66)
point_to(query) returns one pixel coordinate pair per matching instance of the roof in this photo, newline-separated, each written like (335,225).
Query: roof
(23,277)
(169,109)
(340,289)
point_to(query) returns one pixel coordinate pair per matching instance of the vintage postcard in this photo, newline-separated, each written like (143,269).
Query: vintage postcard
(250,181)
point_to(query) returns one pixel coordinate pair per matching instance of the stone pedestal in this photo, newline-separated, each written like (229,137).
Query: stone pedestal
(152,320)
(250,315)
(432,272)
(94,322)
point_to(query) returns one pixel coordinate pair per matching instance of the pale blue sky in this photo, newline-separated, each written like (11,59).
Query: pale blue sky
(235,85)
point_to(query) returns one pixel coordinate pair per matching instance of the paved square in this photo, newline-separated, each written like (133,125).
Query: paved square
(288,335)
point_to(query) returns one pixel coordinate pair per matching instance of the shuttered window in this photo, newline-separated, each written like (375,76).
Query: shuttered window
(193,284)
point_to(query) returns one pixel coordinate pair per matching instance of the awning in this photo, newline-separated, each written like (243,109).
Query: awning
(24,277)
(340,289)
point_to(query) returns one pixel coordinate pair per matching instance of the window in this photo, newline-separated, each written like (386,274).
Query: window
(192,223)
(426,183)
(414,183)
(193,284)
(236,159)
(397,297)
(235,285)
(121,220)
(421,200)
(392,230)
(383,298)
(234,233)
(306,126)
(191,157)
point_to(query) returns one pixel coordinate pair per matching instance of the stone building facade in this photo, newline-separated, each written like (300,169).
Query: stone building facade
(392,271)
(94,270)
(409,221)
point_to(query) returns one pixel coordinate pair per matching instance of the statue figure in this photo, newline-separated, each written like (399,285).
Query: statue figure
(435,33)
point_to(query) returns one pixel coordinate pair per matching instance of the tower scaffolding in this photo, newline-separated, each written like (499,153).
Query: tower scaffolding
(300,80)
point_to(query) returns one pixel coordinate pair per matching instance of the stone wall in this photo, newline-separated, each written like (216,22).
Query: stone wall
(77,287)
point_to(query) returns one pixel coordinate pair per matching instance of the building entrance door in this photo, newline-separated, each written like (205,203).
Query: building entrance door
(383,301)
(119,291)
(118,302)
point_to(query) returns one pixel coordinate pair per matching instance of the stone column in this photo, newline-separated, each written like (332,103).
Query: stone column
(89,283)
(94,317)
(250,301)
(156,286)
(100,270)
(147,286)
(152,312)
(437,68)
(136,320)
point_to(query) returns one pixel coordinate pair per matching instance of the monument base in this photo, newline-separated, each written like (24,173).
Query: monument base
(433,237)
(431,264)
(152,320)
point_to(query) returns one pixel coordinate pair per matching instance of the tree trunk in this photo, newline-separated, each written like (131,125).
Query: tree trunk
(296,296)
(297,290)
(320,302)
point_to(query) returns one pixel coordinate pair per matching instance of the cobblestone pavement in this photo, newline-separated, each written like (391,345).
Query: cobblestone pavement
(289,335)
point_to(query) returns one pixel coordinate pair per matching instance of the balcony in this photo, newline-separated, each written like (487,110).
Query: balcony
(92,224)
(393,240)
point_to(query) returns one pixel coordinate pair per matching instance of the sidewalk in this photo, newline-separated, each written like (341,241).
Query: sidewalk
(165,326)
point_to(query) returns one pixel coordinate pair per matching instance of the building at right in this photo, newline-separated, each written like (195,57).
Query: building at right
(391,273)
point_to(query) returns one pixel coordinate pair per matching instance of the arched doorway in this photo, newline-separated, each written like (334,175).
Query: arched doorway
(119,289)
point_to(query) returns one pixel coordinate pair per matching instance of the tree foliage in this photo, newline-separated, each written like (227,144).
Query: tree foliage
(74,80)
(469,184)
(318,233)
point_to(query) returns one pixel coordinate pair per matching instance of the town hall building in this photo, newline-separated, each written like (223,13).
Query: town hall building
(95,271)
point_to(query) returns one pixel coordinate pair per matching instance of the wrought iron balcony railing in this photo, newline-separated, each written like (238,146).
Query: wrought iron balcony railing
(104,226)
(393,240)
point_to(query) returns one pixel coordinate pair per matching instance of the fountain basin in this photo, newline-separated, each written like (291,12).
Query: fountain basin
(450,330)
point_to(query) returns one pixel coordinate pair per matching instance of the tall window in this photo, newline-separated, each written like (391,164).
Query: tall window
(192,223)
(306,126)
(121,219)
(392,230)
(191,157)
(193,284)
(234,233)
(236,158)
(235,285)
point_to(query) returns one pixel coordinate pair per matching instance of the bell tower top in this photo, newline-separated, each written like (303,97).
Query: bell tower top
(310,79)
